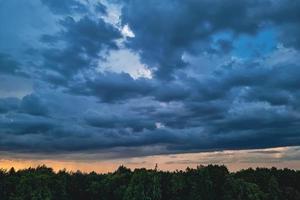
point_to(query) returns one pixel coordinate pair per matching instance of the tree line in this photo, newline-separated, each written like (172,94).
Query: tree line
(212,182)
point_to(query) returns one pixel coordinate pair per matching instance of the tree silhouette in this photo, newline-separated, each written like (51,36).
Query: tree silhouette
(203,183)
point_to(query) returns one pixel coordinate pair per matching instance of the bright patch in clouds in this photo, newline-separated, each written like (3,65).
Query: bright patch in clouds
(124,60)
(126,31)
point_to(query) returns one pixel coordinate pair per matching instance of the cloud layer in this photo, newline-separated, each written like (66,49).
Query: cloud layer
(219,76)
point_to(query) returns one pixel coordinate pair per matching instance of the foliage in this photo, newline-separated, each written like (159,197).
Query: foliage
(203,183)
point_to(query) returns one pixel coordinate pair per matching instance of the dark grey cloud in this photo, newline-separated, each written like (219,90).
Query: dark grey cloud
(116,121)
(236,119)
(19,124)
(285,15)
(191,26)
(204,94)
(181,26)
(83,40)
(88,34)
(9,104)
(31,104)
(8,65)
(110,87)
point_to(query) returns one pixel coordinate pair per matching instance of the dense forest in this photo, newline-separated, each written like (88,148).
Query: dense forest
(203,183)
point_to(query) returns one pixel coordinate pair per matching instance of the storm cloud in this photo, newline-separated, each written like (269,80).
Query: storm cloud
(221,76)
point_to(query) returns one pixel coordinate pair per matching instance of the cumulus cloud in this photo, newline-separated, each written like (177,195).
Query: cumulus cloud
(83,41)
(183,27)
(206,91)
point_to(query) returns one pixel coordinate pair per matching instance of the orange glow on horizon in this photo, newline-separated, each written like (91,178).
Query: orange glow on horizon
(234,160)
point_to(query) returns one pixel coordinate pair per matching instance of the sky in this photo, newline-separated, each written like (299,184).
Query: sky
(93,84)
